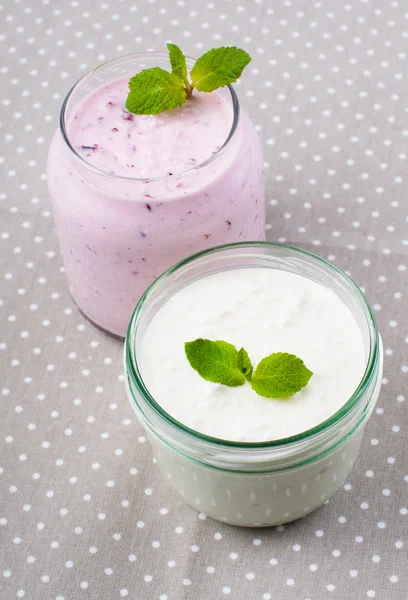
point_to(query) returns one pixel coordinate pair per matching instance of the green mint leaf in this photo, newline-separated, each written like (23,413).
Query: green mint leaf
(280,375)
(218,67)
(177,61)
(244,364)
(154,90)
(215,361)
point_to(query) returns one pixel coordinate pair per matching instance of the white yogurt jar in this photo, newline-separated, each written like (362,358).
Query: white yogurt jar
(271,461)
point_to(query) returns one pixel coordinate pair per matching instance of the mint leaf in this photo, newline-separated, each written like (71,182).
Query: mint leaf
(154,90)
(218,67)
(215,361)
(280,375)
(177,61)
(244,364)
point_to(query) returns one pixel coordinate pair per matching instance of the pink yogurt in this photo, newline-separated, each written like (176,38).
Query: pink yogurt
(131,195)
(147,146)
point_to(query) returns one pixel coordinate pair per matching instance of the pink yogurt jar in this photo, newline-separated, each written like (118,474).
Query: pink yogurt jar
(133,194)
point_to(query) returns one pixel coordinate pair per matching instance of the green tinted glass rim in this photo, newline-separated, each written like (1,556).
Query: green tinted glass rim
(371,366)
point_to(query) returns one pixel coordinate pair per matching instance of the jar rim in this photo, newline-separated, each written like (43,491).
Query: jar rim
(345,409)
(144,55)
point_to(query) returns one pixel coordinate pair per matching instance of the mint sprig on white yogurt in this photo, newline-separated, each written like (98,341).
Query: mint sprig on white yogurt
(155,90)
(279,375)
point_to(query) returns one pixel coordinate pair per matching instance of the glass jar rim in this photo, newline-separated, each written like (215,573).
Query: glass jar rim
(343,411)
(137,55)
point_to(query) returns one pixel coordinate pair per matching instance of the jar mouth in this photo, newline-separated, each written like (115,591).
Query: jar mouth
(367,378)
(154,56)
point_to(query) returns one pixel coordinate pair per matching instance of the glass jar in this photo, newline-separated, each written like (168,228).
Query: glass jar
(114,242)
(255,484)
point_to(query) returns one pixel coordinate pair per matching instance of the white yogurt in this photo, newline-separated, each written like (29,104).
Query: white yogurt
(264,311)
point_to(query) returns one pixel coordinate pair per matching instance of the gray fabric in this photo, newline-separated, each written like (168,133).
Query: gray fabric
(327,89)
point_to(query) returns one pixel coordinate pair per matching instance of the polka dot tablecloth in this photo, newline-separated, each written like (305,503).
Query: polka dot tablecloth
(84,512)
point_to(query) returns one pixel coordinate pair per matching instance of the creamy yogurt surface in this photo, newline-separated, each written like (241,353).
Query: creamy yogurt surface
(107,136)
(264,310)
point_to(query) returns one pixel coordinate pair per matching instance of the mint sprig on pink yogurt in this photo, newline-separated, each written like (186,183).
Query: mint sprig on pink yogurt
(155,90)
